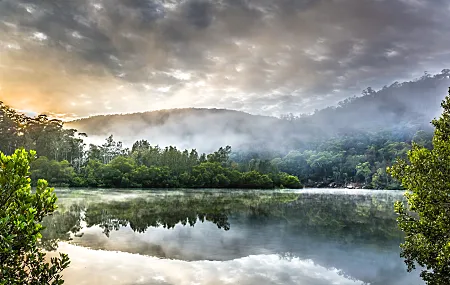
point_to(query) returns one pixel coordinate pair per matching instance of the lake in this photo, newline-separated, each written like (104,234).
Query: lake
(215,237)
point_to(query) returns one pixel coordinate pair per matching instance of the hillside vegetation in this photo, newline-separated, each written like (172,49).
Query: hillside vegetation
(347,145)
(399,108)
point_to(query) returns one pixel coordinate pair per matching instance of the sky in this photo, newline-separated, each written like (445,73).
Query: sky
(270,57)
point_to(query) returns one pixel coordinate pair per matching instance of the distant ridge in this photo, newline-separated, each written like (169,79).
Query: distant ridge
(401,106)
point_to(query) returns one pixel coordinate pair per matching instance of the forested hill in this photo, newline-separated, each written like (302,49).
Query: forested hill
(204,129)
(411,104)
(197,116)
(406,106)
(315,151)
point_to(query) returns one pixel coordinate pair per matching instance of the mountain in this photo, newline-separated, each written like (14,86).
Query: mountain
(204,129)
(408,104)
(400,107)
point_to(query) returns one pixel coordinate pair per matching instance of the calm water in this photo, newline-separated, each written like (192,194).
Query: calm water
(214,237)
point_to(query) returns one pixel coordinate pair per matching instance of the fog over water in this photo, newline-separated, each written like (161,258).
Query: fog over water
(311,236)
(330,92)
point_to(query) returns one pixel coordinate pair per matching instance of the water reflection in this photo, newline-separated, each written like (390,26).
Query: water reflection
(356,234)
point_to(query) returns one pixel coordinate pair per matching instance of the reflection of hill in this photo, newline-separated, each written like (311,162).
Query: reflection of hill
(347,219)
(344,218)
(355,233)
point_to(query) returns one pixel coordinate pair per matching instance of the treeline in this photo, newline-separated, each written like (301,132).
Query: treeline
(46,136)
(147,166)
(64,160)
(357,160)
(352,160)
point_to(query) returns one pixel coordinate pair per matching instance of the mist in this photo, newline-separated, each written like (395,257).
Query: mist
(397,108)
(203,129)
(253,242)
(308,94)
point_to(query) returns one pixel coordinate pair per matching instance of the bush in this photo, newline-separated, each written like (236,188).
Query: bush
(21,212)
(290,181)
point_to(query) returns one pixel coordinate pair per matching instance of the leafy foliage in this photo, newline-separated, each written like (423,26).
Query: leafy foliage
(425,218)
(46,136)
(354,159)
(21,211)
(359,159)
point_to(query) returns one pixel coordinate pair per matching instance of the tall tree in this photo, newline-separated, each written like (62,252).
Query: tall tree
(425,218)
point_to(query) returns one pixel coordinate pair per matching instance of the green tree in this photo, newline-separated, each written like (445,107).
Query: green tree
(92,173)
(210,174)
(290,181)
(221,156)
(56,173)
(425,218)
(423,138)
(151,177)
(21,212)
(254,179)
(380,179)
(363,170)
(123,164)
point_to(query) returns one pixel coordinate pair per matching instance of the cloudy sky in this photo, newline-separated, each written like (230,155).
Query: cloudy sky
(77,58)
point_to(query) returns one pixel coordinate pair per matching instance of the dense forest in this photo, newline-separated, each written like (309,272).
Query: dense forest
(64,160)
(349,145)
(357,159)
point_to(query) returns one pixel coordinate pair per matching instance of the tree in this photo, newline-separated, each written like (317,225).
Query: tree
(21,212)
(56,173)
(254,179)
(363,170)
(290,181)
(423,138)
(425,218)
(221,156)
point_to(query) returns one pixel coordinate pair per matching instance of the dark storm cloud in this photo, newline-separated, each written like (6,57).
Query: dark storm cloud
(261,56)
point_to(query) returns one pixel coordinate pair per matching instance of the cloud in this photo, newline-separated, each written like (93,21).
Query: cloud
(127,269)
(205,244)
(260,56)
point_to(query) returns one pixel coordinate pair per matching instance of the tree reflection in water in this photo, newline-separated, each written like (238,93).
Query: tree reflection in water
(356,233)
(348,219)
